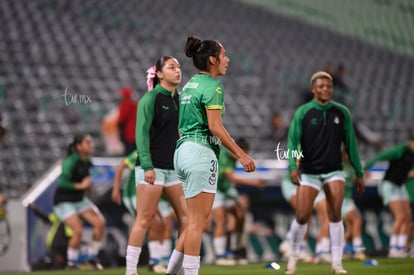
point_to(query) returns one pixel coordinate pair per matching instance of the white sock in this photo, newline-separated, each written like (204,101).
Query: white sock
(208,246)
(132,257)
(72,255)
(298,233)
(93,248)
(166,249)
(336,232)
(154,250)
(357,242)
(175,263)
(322,246)
(191,265)
(235,241)
(219,245)
(393,241)
(402,241)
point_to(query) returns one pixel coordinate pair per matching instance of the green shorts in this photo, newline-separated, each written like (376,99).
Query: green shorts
(130,204)
(347,205)
(66,209)
(392,192)
(164,206)
(196,167)
(317,180)
(289,190)
(164,177)
(227,199)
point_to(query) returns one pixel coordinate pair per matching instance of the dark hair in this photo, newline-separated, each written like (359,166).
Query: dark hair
(76,140)
(200,50)
(243,143)
(158,67)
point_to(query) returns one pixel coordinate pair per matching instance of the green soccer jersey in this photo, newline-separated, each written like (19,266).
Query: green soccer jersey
(129,189)
(226,164)
(401,161)
(201,93)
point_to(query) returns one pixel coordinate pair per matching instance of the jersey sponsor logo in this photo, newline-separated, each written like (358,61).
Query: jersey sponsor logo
(314,121)
(218,90)
(336,120)
(190,85)
(165,107)
(212,179)
(185,99)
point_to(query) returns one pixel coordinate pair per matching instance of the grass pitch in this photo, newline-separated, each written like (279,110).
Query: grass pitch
(385,266)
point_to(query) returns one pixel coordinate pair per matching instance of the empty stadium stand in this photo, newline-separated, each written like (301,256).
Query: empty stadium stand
(93,48)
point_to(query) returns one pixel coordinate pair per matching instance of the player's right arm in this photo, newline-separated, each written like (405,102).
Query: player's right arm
(391,154)
(116,189)
(294,137)
(67,171)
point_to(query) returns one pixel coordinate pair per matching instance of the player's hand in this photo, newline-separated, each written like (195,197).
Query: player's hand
(360,186)
(149,176)
(116,196)
(259,183)
(295,177)
(247,163)
(85,183)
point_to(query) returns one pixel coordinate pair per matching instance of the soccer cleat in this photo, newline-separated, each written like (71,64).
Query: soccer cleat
(157,268)
(394,253)
(291,266)
(225,261)
(284,248)
(95,264)
(359,255)
(338,269)
(323,257)
(72,266)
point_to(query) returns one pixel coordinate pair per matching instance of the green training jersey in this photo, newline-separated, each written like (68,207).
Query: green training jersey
(156,129)
(320,131)
(226,164)
(401,160)
(129,188)
(201,93)
(74,170)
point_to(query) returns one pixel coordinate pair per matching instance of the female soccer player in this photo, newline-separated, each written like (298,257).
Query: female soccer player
(319,128)
(202,131)
(157,134)
(394,193)
(71,205)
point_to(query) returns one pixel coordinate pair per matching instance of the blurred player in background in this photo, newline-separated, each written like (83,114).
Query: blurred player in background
(202,131)
(57,238)
(316,133)
(351,216)
(157,134)
(228,212)
(394,194)
(410,189)
(127,119)
(322,249)
(71,204)
(159,241)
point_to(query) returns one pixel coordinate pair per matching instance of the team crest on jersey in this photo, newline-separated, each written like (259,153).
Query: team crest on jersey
(336,120)
(212,179)
(314,121)
(218,90)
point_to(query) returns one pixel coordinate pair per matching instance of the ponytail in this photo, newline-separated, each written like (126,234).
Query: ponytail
(72,146)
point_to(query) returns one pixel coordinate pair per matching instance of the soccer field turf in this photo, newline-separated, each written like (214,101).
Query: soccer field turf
(385,266)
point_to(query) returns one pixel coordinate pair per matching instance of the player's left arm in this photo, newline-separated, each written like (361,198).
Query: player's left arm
(351,147)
